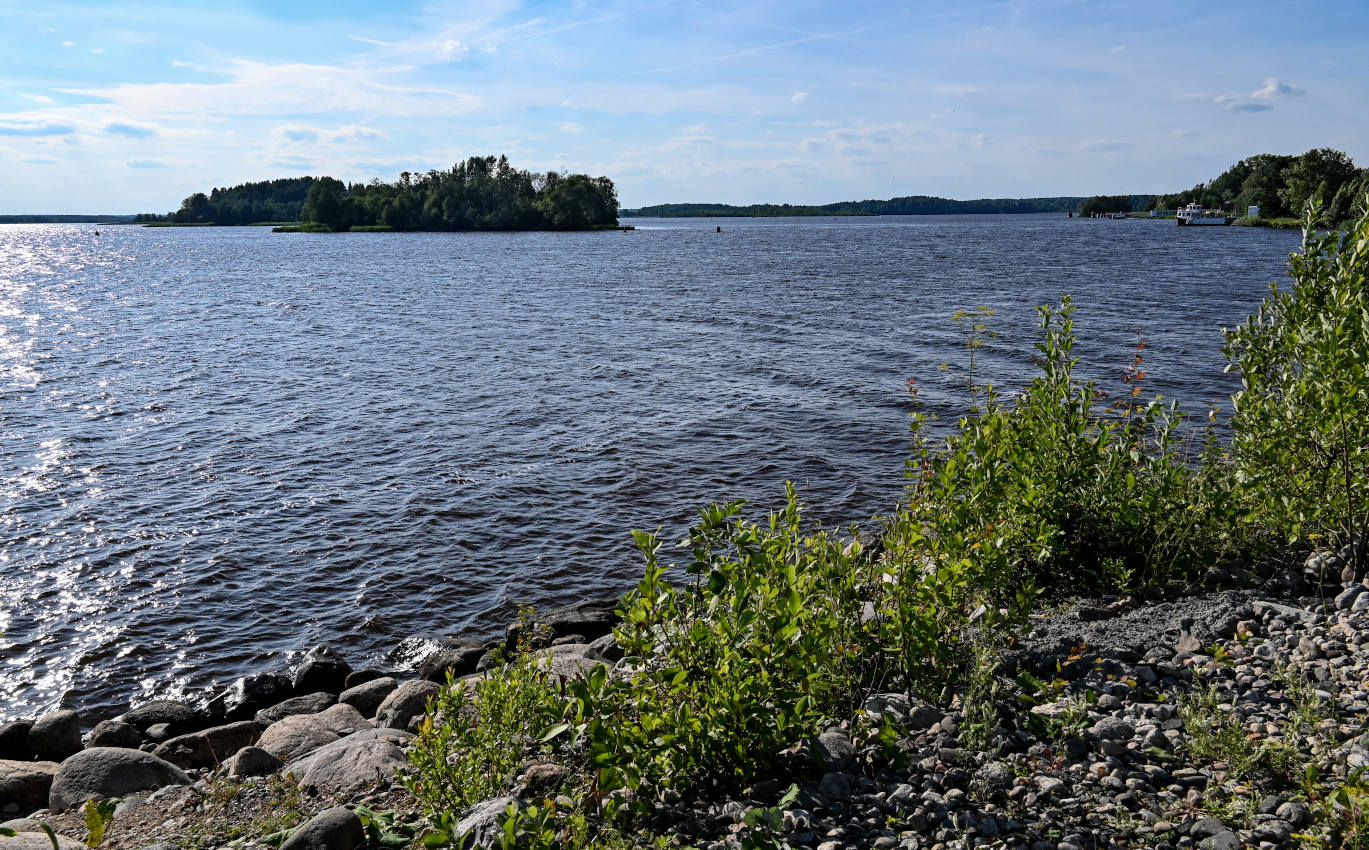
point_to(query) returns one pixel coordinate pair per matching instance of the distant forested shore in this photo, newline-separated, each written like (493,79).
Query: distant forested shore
(910,205)
(482,193)
(65,219)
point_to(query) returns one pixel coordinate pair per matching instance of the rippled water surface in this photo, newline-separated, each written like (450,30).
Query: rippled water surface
(220,446)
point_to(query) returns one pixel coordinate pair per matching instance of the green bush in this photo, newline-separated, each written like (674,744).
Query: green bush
(1301,436)
(1054,493)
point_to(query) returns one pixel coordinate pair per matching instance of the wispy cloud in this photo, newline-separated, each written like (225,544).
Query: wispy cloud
(570,127)
(37,98)
(33,128)
(1119,48)
(146,163)
(1275,90)
(1260,100)
(798,97)
(132,131)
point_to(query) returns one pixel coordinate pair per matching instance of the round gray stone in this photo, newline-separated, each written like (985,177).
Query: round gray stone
(102,772)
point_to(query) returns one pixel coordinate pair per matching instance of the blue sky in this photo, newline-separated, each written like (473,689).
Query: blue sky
(130,106)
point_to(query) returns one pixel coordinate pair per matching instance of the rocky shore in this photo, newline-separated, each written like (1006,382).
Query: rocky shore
(1226,718)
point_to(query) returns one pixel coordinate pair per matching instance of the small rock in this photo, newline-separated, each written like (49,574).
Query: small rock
(1204,827)
(836,786)
(1294,812)
(178,717)
(14,740)
(833,750)
(39,841)
(115,733)
(457,659)
(209,747)
(361,677)
(305,704)
(405,703)
(337,828)
(1113,729)
(25,784)
(250,694)
(1224,840)
(481,823)
(322,669)
(367,696)
(56,736)
(253,761)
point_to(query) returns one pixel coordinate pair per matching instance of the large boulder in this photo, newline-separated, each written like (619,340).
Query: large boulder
(250,694)
(332,829)
(56,735)
(358,761)
(178,717)
(211,746)
(303,704)
(293,736)
(405,703)
(367,696)
(26,783)
(115,733)
(323,669)
(590,620)
(14,740)
(457,659)
(101,772)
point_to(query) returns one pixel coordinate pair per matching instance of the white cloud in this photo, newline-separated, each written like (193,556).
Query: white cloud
(798,97)
(979,140)
(37,98)
(570,127)
(1275,90)
(450,48)
(97,50)
(68,44)
(255,88)
(25,127)
(1120,48)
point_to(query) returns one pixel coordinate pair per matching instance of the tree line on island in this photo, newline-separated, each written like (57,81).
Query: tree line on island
(482,193)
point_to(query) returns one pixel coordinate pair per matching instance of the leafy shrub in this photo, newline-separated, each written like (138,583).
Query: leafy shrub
(1301,437)
(478,733)
(1050,493)
(756,652)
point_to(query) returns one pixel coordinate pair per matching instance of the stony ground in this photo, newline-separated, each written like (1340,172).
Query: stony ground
(1220,720)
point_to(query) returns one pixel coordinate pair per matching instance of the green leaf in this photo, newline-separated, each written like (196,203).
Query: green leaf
(553,732)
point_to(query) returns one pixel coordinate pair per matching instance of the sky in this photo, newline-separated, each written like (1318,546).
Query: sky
(122,107)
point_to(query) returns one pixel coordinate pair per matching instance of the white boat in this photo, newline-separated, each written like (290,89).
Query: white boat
(1196,214)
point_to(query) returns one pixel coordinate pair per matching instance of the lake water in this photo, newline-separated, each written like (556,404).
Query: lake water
(221,446)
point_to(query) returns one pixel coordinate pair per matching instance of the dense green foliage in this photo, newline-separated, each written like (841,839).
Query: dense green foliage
(911,205)
(773,633)
(248,203)
(482,193)
(1282,186)
(1301,430)
(1108,204)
